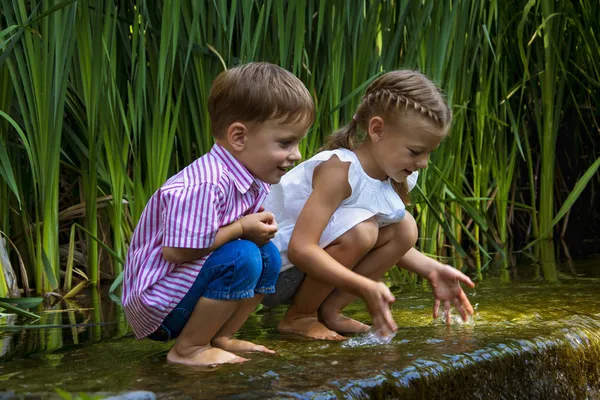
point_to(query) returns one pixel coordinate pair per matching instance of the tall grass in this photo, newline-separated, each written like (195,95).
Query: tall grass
(102,101)
(39,66)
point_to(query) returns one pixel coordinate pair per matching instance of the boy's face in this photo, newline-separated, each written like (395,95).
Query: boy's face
(271,148)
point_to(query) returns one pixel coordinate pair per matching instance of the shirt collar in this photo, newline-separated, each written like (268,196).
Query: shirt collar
(242,178)
(263,186)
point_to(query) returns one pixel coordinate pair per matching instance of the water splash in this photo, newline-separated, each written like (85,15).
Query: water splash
(370,338)
(455,319)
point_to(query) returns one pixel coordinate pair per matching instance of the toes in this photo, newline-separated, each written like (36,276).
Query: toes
(334,336)
(263,349)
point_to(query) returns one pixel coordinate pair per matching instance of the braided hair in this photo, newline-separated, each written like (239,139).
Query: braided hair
(395,94)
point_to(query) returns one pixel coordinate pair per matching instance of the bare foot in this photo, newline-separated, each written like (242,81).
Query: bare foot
(239,346)
(309,327)
(202,356)
(343,324)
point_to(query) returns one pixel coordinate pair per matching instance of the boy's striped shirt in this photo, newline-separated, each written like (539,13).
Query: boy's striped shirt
(187,211)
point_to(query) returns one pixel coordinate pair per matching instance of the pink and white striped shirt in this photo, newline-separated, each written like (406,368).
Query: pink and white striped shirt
(187,211)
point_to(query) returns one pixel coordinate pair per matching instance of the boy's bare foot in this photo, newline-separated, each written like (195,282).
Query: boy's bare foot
(239,346)
(308,326)
(202,356)
(343,324)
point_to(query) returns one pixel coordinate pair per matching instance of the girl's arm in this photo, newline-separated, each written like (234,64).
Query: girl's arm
(330,188)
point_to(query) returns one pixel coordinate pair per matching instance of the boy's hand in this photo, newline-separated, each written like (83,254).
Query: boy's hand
(445,282)
(259,228)
(378,299)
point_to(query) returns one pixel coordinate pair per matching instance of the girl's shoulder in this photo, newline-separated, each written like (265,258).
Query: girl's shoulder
(342,154)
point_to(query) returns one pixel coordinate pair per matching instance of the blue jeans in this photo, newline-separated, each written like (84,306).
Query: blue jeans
(237,270)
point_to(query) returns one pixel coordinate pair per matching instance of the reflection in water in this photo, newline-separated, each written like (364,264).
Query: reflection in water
(529,338)
(86,320)
(548,260)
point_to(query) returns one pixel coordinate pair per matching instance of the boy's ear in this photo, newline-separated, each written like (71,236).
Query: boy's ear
(376,129)
(237,134)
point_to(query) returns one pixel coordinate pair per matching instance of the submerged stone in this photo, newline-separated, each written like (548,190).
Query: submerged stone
(137,395)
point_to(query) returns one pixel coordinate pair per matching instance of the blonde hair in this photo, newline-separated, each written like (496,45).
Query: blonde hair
(256,92)
(396,94)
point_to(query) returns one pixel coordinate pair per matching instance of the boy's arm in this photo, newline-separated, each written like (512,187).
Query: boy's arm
(260,228)
(445,282)
(225,234)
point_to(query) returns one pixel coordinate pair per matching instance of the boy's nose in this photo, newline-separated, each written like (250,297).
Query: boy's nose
(295,156)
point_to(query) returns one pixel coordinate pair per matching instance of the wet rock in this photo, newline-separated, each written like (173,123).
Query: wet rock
(7,395)
(137,395)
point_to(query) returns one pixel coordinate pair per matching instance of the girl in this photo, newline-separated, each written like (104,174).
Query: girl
(342,219)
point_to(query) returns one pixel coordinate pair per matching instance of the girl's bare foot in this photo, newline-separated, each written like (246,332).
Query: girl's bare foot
(202,356)
(239,346)
(343,324)
(308,326)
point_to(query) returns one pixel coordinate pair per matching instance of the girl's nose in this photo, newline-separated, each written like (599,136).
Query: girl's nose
(422,162)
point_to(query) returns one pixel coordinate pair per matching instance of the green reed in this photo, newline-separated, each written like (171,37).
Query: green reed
(102,101)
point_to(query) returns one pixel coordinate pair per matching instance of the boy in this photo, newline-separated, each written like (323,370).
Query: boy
(201,259)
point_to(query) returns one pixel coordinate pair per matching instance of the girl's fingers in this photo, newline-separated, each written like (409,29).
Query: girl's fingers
(466,304)
(461,309)
(390,321)
(383,321)
(436,308)
(385,293)
(466,280)
(447,311)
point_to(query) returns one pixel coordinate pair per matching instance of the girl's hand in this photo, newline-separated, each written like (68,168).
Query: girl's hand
(378,299)
(445,282)
(259,228)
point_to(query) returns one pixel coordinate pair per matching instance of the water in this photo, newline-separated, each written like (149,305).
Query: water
(529,338)
(368,339)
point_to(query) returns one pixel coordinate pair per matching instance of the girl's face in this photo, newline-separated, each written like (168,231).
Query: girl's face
(400,149)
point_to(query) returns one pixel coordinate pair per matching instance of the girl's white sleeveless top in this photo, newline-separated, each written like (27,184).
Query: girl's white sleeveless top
(370,197)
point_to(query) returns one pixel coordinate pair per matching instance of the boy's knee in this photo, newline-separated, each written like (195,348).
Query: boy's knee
(271,261)
(249,261)
(362,237)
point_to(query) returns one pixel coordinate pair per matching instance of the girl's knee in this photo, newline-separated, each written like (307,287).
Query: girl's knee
(362,237)
(406,232)
(412,231)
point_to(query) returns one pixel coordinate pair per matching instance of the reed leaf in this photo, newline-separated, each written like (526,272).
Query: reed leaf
(18,310)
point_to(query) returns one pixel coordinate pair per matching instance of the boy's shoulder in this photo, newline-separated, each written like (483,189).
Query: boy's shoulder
(217,168)
(206,170)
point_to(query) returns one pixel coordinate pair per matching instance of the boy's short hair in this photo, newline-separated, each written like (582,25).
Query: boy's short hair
(256,92)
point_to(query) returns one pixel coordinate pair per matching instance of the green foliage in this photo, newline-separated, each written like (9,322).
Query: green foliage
(100,102)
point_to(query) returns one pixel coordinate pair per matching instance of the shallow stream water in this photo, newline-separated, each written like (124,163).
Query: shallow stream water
(530,338)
